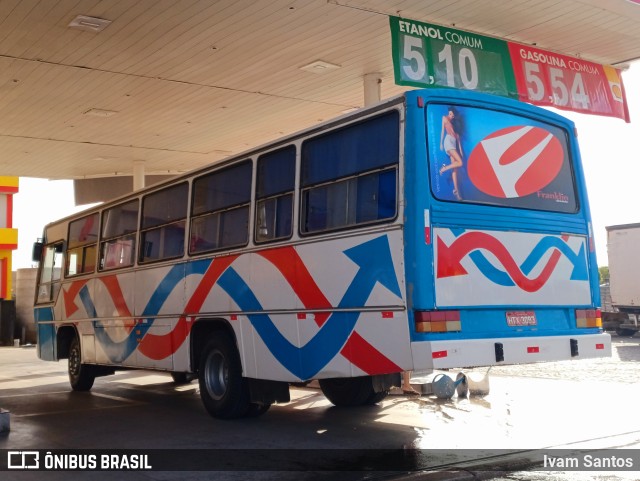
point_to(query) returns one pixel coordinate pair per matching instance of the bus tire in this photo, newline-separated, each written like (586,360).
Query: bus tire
(349,391)
(377,397)
(81,376)
(223,390)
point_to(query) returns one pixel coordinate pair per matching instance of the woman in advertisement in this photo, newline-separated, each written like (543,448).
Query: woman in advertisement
(450,143)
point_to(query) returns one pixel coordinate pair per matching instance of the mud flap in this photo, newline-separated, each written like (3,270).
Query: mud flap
(268,392)
(384,382)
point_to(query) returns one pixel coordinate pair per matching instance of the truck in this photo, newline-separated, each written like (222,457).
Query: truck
(620,297)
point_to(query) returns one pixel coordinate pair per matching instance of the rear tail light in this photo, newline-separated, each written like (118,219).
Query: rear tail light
(588,318)
(437,321)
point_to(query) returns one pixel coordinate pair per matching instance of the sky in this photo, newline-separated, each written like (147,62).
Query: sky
(610,150)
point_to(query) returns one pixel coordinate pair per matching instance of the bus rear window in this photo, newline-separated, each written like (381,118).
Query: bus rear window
(488,157)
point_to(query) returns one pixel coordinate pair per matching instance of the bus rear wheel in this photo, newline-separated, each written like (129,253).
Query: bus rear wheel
(223,390)
(81,376)
(377,397)
(351,391)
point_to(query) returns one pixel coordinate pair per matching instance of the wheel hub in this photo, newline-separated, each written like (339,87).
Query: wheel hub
(216,376)
(74,362)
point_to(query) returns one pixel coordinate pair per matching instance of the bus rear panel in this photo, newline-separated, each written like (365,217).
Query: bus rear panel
(504,269)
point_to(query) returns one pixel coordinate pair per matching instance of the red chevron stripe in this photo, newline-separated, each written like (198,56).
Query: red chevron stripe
(290,265)
(357,349)
(159,347)
(115,291)
(449,258)
(69,297)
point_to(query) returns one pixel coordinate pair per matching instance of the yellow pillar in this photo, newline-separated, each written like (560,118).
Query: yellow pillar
(8,235)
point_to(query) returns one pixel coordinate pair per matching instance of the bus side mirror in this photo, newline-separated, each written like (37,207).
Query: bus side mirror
(36,253)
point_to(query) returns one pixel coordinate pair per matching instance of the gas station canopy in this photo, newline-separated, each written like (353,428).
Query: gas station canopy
(89,89)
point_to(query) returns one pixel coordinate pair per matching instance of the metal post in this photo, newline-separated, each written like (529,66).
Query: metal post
(372,82)
(138,174)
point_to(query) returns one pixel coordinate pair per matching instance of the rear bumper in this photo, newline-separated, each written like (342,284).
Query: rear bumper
(485,352)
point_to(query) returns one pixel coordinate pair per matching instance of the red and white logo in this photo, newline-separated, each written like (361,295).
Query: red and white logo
(515,161)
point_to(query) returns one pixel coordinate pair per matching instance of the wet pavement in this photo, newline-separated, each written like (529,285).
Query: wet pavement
(569,404)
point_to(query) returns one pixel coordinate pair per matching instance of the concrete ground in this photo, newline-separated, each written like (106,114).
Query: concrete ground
(528,408)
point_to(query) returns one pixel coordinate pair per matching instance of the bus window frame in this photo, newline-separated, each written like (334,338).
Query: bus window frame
(277,197)
(394,166)
(162,226)
(53,285)
(106,241)
(194,218)
(82,247)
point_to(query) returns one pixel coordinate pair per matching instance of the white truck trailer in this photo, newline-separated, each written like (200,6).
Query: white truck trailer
(623,247)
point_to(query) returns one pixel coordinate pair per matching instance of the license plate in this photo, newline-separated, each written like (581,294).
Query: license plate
(521,318)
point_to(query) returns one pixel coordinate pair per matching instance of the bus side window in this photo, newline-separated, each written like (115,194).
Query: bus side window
(220,212)
(274,195)
(349,176)
(163,224)
(82,245)
(50,272)
(119,225)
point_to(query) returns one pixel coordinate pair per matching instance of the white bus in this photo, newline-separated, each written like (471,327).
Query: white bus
(347,253)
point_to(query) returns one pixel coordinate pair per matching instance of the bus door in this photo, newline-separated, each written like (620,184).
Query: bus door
(48,289)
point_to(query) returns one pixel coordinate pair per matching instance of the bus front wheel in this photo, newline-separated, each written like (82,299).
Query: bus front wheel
(81,376)
(224,392)
(351,391)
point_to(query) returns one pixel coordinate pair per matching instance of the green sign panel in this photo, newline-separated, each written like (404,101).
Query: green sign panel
(429,55)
